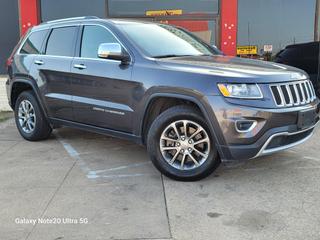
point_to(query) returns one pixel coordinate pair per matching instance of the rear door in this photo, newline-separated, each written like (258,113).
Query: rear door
(102,88)
(52,71)
(31,47)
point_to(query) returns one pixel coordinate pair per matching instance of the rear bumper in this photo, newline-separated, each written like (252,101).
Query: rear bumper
(8,90)
(275,129)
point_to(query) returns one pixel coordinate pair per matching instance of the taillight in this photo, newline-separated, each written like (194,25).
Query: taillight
(9,61)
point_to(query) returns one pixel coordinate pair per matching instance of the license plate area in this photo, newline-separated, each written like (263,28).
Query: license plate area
(306,119)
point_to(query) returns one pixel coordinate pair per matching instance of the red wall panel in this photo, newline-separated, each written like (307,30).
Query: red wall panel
(229,26)
(29,15)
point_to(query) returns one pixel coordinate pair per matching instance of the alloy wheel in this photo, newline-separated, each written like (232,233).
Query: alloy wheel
(185,145)
(27,117)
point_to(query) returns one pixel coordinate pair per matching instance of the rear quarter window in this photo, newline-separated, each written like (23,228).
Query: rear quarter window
(290,54)
(61,42)
(33,44)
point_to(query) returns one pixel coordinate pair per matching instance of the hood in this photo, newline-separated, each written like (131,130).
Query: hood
(234,68)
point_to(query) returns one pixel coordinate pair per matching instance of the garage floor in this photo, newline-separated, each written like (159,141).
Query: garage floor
(77,177)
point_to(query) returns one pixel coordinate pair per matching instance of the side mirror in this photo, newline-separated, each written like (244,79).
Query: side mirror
(112,51)
(217,50)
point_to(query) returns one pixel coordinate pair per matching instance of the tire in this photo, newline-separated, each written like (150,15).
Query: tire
(40,129)
(169,162)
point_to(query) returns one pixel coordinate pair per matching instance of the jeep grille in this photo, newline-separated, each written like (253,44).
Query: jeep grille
(293,93)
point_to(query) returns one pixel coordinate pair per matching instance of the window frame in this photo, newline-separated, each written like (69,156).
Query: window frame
(79,44)
(51,29)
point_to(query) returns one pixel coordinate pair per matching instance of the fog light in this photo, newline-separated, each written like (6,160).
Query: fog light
(243,126)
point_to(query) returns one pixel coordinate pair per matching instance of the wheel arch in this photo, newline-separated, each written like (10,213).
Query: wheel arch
(180,98)
(20,85)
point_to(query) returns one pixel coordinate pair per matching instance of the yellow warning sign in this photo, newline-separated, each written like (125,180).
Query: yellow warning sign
(172,12)
(247,50)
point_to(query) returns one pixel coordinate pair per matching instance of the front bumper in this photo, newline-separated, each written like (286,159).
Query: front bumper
(275,129)
(284,140)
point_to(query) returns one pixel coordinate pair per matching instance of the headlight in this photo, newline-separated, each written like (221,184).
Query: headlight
(240,90)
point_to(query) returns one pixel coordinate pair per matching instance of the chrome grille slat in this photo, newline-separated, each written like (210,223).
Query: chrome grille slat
(297,94)
(283,102)
(302,92)
(313,91)
(308,97)
(290,94)
(293,93)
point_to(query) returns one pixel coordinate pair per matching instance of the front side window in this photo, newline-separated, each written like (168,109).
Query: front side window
(92,37)
(61,42)
(164,40)
(34,43)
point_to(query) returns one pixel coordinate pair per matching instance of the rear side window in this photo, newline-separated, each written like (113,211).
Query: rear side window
(34,42)
(92,37)
(61,42)
(290,54)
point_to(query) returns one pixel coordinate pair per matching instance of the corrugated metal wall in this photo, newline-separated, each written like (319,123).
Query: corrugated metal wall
(9,30)
(57,9)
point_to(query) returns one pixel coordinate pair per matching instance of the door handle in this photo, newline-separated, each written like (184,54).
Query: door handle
(38,62)
(80,66)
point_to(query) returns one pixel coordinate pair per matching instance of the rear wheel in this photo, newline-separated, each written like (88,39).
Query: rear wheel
(180,144)
(30,120)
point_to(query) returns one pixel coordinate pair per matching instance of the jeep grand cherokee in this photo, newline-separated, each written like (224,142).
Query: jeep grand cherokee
(160,86)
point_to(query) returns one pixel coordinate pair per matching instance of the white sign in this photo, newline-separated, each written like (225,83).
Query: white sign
(267,48)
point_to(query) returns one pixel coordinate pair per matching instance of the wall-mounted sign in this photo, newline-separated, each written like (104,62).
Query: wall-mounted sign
(172,12)
(267,48)
(247,50)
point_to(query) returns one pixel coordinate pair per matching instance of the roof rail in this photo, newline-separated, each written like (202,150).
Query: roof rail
(72,19)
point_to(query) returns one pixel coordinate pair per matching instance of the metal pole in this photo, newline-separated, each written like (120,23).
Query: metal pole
(249,34)
(317,22)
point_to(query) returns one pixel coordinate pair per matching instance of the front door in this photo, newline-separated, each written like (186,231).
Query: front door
(102,88)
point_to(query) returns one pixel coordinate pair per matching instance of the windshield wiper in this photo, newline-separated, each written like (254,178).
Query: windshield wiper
(171,55)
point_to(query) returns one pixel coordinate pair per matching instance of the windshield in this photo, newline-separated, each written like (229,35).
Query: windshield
(159,40)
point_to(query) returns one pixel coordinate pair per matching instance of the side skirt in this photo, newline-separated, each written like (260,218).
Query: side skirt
(99,130)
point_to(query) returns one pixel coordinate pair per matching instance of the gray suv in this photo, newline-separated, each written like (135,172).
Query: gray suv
(160,86)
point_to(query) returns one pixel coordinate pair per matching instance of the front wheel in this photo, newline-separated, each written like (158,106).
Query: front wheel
(180,144)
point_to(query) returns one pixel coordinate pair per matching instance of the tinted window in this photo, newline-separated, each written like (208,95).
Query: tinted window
(34,42)
(92,37)
(290,54)
(61,42)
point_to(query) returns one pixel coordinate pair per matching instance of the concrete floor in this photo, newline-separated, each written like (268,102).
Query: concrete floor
(77,177)
(4,106)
